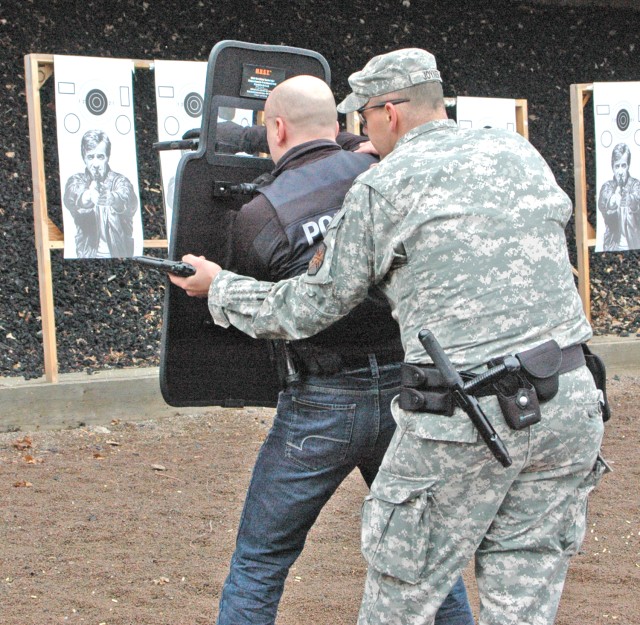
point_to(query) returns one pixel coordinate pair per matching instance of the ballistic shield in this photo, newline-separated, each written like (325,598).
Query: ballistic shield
(203,364)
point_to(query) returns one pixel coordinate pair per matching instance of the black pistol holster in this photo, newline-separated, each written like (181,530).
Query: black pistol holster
(287,368)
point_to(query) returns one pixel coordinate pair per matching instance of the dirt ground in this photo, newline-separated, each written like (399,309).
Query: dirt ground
(133,523)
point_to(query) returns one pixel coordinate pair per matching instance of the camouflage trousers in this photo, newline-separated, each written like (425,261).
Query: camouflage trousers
(441,498)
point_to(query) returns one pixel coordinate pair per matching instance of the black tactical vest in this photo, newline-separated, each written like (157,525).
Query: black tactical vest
(305,200)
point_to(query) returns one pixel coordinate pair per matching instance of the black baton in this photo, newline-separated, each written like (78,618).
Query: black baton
(467,402)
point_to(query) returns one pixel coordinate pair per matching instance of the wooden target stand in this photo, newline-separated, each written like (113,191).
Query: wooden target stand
(585,232)
(48,237)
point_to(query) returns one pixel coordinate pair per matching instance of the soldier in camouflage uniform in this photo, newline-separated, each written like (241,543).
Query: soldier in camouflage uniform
(463,231)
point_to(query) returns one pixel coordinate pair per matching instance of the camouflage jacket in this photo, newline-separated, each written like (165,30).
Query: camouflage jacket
(463,230)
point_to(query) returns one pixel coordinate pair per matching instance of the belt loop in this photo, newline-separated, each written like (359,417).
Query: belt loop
(373,364)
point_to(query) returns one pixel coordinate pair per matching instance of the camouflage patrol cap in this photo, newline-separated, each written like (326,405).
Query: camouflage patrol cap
(387,73)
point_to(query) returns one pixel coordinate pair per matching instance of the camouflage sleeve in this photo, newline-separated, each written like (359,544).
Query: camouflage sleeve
(352,258)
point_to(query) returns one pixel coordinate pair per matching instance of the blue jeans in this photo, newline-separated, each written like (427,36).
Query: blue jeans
(323,429)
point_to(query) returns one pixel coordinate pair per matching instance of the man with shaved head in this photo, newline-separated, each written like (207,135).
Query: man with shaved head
(333,412)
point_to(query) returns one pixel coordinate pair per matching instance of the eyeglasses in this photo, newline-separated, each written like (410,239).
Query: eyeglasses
(379,105)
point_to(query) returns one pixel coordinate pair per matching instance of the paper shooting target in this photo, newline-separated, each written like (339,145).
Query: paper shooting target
(616,109)
(179,96)
(95,94)
(617,121)
(86,104)
(179,103)
(474,112)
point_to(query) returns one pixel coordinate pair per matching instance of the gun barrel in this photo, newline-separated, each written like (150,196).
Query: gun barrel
(178,268)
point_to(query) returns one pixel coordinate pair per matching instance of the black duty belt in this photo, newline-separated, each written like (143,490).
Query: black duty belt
(362,361)
(309,358)
(424,388)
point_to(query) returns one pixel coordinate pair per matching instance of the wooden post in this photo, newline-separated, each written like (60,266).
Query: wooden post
(522,118)
(585,234)
(38,68)
(34,79)
(353,123)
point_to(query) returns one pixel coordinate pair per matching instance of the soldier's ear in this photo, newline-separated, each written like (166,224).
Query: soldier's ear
(392,116)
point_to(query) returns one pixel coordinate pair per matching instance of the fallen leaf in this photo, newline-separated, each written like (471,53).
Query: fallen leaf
(158,467)
(23,443)
(23,484)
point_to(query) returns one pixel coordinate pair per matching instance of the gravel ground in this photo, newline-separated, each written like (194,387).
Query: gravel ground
(133,523)
(109,313)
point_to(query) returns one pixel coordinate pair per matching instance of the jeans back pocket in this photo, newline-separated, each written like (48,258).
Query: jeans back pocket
(319,434)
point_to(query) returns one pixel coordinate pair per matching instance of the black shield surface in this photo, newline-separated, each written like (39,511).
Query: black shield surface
(203,364)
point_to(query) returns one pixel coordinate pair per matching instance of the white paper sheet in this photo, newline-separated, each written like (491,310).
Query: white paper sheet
(486,112)
(179,102)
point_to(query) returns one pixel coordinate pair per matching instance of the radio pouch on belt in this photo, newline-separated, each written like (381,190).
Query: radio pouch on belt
(521,394)
(518,401)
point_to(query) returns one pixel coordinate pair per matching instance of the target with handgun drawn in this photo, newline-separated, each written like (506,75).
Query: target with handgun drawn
(616,108)
(95,94)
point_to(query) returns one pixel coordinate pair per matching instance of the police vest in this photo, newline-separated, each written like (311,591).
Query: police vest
(305,200)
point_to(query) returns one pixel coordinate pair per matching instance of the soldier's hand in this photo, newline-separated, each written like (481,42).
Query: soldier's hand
(366,147)
(198,284)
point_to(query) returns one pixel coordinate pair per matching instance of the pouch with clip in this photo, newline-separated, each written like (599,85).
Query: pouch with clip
(518,401)
(541,366)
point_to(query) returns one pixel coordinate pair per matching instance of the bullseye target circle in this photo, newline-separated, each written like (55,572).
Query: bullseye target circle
(193,104)
(96,102)
(623,119)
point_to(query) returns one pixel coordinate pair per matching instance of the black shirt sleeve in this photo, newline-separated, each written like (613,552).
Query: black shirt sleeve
(256,240)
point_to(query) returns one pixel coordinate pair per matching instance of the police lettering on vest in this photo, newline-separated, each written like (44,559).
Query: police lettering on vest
(315,230)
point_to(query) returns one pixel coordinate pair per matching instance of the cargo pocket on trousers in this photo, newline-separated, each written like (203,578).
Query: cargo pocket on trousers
(395,527)
(576,519)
